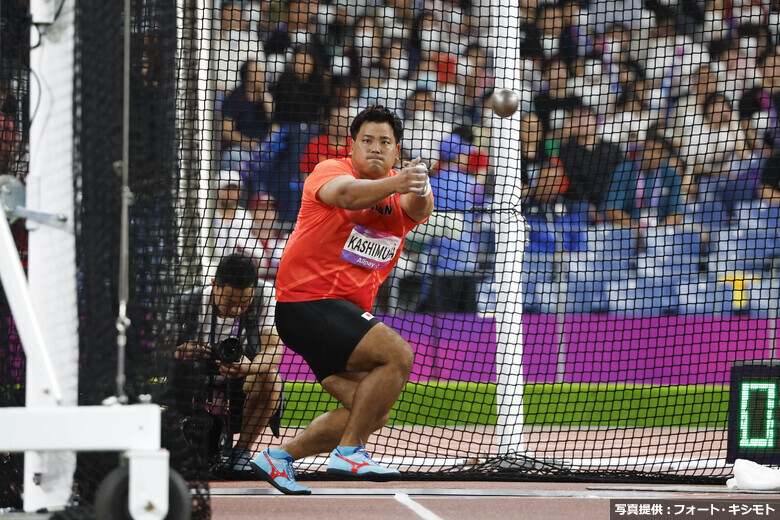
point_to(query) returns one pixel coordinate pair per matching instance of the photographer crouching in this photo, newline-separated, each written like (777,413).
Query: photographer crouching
(227,352)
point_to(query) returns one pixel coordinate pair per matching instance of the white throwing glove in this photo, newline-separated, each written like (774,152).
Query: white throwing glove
(426,190)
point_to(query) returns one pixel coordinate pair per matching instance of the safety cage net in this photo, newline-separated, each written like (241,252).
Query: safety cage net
(14,160)
(602,250)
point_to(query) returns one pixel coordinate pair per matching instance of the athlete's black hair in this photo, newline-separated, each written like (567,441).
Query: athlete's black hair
(378,114)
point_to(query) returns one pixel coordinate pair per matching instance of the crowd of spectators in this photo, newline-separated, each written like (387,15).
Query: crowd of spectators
(632,113)
(637,111)
(293,74)
(653,117)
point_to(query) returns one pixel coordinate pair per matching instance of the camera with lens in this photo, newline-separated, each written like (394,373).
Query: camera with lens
(227,351)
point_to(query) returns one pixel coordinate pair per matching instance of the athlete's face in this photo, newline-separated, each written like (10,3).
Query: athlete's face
(374,150)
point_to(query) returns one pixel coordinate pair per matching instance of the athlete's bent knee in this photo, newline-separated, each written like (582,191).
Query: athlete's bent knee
(405,359)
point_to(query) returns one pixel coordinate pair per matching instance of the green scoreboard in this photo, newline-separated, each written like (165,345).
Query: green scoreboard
(754,396)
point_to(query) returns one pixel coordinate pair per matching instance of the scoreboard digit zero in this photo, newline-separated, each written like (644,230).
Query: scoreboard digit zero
(753,432)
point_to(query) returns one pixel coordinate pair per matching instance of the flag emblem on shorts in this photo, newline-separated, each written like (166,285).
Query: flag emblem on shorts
(368,316)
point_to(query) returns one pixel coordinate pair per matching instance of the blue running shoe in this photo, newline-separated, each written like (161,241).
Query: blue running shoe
(354,462)
(276,468)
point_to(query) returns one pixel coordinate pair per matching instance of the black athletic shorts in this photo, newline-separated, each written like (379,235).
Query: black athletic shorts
(323,332)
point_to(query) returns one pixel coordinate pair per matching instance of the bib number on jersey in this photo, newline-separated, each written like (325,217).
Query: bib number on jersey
(370,248)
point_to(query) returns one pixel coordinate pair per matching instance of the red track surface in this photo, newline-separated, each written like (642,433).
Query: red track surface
(540,501)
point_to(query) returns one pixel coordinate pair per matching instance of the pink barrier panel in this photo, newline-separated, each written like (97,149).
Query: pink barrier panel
(459,347)
(659,350)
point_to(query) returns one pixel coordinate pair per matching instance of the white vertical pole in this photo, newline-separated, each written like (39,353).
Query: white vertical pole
(48,476)
(510,231)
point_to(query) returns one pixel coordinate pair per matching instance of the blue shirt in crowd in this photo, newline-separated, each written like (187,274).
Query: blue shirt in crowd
(454,190)
(632,190)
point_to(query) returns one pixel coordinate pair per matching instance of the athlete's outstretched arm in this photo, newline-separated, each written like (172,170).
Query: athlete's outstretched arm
(350,193)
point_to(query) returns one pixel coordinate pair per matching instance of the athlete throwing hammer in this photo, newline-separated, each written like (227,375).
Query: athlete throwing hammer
(351,226)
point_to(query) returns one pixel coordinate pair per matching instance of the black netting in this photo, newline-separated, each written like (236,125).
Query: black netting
(14,162)
(153,177)
(11,394)
(285,80)
(651,205)
(638,163)
(602,250)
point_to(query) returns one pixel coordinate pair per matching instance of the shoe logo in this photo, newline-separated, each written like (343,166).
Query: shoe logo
(275,472)
(355,465)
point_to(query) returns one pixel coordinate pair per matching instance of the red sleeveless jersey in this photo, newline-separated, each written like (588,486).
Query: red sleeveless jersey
(338,253)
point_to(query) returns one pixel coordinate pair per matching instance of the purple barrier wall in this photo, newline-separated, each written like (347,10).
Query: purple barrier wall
(655,350)
(672,350)
(451,347)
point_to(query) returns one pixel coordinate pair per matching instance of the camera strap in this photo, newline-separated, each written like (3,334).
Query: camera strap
(212,332)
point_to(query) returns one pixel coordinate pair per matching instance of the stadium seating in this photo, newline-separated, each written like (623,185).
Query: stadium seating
(715,262)
(609,259)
